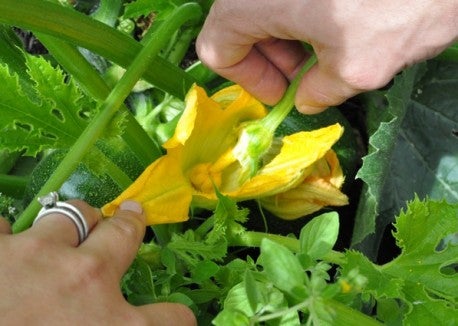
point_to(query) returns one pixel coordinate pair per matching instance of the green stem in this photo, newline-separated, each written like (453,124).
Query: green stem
(181,46)
(79,29)
(253,239)
(13,185)
(108,109)
(282,108)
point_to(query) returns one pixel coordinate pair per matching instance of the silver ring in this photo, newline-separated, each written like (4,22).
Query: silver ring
(51,204)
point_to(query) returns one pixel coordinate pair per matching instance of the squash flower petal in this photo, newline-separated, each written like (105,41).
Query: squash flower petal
(164,199)
(320,188)
(200,158)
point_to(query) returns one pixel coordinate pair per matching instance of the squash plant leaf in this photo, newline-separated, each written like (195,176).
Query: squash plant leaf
(425,158)
(384,125)
(423,279)
(52,115)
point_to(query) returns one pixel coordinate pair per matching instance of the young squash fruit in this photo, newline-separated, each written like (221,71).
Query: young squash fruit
(88,182)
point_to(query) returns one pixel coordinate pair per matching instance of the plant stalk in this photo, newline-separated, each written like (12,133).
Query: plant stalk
(254,239)
(282,108)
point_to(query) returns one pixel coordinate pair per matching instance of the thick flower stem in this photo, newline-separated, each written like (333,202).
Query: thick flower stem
(282,108)
(256,137)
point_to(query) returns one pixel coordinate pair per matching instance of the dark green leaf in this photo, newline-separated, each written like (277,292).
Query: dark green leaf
(425,158)
(376,164)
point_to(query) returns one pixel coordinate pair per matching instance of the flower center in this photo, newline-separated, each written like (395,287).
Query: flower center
(204,177)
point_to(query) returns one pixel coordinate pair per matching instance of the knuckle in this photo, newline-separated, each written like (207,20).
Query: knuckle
(224,8)
(90,269)
(364,77)
(139,320)
(33,245)
(126,228)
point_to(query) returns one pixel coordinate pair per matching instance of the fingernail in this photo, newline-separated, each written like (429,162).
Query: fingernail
(131,205)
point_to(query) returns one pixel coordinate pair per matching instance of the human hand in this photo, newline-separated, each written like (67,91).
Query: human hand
(360,45)
(46,278)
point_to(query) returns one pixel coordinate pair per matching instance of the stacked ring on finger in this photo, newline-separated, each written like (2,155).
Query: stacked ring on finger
(51,205)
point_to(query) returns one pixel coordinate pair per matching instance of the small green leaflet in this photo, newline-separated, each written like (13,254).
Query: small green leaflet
(423,277)
(193,246)
(54,118)
(319,236)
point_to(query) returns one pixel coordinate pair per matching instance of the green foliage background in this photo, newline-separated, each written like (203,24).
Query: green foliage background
(228,273)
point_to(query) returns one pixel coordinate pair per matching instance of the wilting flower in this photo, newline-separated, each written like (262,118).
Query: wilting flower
(320,188)
(200,157)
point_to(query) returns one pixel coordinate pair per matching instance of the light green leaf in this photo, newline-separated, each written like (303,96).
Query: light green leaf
(53,119)
(283,269)
(319,236)
(418,278)
(378,284)
(226,219)
(269,300)
(419,232)
(237,300)
(426,310)
(252,292)
(231,318)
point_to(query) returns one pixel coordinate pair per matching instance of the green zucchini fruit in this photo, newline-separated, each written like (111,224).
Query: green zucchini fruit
(96,188)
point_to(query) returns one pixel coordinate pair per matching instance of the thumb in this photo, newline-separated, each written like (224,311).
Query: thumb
(319,89)
(166,313)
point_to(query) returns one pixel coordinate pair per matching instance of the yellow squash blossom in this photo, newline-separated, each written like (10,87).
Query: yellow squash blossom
(320,188)
(200,157)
